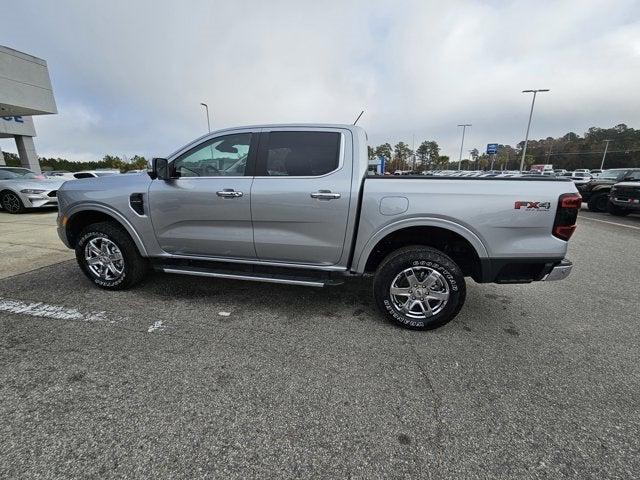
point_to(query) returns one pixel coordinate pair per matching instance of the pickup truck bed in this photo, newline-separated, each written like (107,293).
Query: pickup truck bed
(481,212)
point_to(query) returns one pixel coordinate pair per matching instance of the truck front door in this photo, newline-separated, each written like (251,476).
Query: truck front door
(205,209)
(300,195)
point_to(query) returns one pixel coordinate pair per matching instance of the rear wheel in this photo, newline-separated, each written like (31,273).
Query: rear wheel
(617,211)
(11,202)
(599,202)
(419,288)
(108,256)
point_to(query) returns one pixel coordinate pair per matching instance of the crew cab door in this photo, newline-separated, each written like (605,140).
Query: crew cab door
(300,195)
(205,208)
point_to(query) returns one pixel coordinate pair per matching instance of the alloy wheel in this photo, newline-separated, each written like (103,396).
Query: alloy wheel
(11,203)
(104,258)
(419,292)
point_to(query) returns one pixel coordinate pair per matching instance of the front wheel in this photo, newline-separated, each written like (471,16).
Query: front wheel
(108,256)
(617,211)
(11,203)
(598,203)
(419,288)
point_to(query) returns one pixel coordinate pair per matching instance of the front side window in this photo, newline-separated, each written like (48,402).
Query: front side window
(302,154)
(220,157)
(633,175)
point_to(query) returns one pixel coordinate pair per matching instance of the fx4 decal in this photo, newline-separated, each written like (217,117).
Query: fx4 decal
(532,206)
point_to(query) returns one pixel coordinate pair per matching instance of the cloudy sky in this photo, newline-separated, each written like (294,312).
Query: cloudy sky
(129,76)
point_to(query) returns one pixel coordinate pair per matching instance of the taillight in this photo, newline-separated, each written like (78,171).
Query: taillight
(565,222)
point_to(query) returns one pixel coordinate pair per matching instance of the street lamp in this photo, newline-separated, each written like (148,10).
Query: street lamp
(606,147)
(526,138)
(208,121)
(464,128)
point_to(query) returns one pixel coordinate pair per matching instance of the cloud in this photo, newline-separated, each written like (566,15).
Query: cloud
(129,76)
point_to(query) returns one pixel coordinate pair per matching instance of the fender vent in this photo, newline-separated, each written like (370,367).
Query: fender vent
(136,200)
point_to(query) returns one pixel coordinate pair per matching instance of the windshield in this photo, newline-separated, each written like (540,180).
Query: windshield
(611,174)
(10,173)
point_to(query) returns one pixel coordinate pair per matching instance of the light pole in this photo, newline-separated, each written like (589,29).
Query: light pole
(606,147)
(526,138)
(206,107)
(464,128)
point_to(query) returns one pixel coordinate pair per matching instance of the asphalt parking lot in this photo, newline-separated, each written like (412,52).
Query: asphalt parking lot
(191,377)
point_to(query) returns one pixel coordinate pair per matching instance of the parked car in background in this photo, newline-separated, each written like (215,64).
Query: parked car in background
(624,198)
(301,209)
(582,170)
(59,174)
(24,189)
(95,173)
(596,192)
(542,168)
(580,178)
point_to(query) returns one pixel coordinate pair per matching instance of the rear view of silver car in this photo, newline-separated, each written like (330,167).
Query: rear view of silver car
(21,189)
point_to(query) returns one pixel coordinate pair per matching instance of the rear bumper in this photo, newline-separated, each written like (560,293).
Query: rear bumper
(559,272)
(523,270)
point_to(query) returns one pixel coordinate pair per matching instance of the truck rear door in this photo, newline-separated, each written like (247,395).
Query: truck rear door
(300,195)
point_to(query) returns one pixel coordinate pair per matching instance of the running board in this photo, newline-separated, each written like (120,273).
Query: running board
(255,277)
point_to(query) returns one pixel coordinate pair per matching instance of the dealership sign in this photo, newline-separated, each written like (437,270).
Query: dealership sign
(10,126)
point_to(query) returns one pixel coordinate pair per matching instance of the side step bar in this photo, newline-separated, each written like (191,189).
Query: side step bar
(256,277)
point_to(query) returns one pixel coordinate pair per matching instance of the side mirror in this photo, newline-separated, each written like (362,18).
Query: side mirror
(159,169)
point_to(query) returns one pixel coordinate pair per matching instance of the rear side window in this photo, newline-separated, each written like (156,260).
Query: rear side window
(83,175)
(301,154)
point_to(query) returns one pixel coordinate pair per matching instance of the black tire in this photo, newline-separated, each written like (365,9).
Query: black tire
(11,203)
(134,265)
(426,259)
(599,202)
(617,211)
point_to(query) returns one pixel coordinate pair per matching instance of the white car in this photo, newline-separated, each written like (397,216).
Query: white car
(20,188)
(580,177)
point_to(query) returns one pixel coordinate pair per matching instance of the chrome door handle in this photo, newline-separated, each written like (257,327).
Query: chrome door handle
(325,195)
(229,193)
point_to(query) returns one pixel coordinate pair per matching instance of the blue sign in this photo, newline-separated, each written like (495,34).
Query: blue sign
(492,148)
(15,119)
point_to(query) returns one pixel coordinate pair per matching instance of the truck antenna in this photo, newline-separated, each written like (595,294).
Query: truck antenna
(358,117)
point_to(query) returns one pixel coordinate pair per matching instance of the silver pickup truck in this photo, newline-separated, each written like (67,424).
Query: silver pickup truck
(294,204)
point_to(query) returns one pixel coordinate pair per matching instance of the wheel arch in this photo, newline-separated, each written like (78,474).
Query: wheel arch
(463,245)
(78,219)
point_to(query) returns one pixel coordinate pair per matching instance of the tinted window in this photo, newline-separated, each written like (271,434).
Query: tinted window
(302,154)
(222,156)
(83,175)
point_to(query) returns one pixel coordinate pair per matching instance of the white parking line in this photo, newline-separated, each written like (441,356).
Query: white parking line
(156,326)
(610,223)
(43,310)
